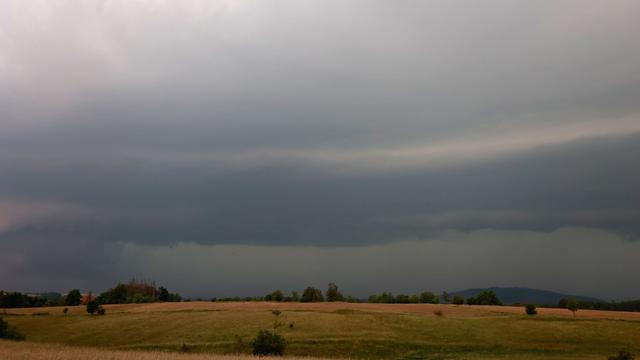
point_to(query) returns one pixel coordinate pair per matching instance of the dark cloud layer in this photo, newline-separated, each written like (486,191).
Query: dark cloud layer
(327,124)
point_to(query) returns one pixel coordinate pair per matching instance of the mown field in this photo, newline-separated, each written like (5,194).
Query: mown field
(332,330)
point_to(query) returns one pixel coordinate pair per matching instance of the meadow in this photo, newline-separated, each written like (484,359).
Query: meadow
(323,330)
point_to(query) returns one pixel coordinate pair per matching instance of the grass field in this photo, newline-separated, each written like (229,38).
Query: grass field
(335,330)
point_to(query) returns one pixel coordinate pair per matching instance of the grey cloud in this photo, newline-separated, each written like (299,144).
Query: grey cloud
(570,260)
(310,123)
(590,183)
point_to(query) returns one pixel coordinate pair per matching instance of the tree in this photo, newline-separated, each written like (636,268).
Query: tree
(486,297)
(458,300)
(563,303)
(572,305)
(295,296)
(446,298)
(333,294)
(163,294)
(311,294)
(530,309)
(428,297)
(74,298)
(277,295)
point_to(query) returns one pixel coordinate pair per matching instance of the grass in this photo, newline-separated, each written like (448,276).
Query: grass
(368,331)
(32,351)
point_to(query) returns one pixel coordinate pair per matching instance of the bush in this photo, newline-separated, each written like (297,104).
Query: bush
(623,355)
(530,309)
(458,300)
(9,332)
(268,343)
(93,307)
(438,313)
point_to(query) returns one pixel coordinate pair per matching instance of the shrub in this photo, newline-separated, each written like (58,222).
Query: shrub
(9,332)
(622,355)
(65,310)
(438,313)
(92,307)
(458,300)
(268,343)
(530,309)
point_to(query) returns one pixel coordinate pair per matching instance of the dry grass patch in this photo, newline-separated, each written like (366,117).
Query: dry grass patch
(446,309)
(33,351)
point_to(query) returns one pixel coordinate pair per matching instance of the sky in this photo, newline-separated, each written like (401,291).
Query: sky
(234,147)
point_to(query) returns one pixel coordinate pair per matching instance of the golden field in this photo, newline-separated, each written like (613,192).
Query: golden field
(329,330)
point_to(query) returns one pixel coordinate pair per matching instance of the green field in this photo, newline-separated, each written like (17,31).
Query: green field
(338,330)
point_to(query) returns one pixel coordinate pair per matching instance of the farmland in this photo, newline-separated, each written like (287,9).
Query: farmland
(331,330)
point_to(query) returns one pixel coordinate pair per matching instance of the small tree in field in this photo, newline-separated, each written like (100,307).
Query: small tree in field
(458,300)
(94,307)
(270,342)
(572,305)
(531,309)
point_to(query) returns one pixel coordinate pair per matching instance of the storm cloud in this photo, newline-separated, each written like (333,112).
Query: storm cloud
(308,127)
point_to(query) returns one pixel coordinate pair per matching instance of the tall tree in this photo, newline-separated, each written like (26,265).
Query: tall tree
(74,297)
(333,294)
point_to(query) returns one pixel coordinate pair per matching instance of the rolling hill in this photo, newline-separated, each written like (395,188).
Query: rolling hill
(520,295)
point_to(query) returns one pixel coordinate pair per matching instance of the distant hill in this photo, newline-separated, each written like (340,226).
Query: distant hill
(518,295)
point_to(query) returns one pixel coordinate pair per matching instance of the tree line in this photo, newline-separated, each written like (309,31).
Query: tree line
(136,291)
(631,305)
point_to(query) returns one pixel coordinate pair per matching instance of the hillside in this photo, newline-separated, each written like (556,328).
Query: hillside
(339,330)
(519,295)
